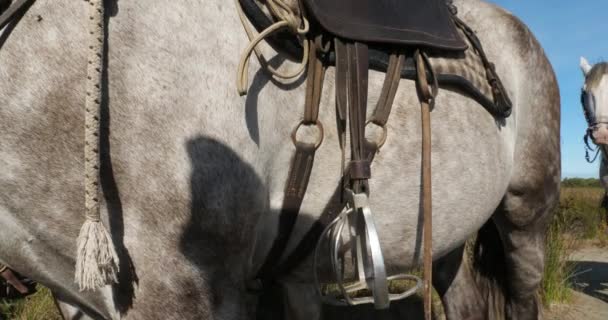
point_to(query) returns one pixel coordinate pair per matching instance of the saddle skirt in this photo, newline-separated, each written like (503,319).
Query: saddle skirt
(464,70)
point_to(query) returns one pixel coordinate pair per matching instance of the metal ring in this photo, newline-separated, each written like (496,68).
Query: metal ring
(319,126)
(384,133)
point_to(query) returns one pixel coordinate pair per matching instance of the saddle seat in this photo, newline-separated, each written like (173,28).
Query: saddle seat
(426,23)
(4,4)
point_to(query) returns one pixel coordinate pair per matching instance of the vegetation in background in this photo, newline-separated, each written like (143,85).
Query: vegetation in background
(581,213)
(579,220)
(581,183)
(38,306)
(555,286)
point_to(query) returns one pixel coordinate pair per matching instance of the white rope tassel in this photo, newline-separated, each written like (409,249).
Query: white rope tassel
(96,261)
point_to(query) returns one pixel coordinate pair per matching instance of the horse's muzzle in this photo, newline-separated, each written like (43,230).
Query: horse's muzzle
(600,135)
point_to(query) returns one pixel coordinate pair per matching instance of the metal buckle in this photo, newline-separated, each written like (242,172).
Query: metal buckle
(367,258)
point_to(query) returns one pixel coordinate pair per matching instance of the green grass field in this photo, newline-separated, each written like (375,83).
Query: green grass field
(578,220)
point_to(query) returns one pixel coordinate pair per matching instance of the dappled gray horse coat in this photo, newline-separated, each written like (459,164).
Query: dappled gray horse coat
(193,175)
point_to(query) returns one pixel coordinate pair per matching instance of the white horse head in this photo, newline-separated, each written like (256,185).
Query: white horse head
(594,99)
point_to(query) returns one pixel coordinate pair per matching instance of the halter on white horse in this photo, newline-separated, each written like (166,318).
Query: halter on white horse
(596,120)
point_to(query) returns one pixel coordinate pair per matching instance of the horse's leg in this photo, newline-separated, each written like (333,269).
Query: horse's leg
(522,223)
(502,279)
(68,311)
(526,210)
(471,287)
(453,279)
(508,259)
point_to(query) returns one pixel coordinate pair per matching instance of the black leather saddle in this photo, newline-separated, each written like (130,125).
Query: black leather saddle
(4,5)
(426,23)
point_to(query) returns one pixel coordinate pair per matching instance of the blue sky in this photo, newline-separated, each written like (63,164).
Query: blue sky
(567,30)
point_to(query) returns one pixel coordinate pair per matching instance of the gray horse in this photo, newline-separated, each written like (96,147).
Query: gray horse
(193,175)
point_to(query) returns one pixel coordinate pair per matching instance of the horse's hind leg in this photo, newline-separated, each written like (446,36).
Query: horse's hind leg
(470,282)
(503,278)
(453,279)
(522,222)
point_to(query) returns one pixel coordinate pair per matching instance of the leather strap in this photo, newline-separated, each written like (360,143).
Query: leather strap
(389,90)
(501,99)
(341,102)
(358,63)
(380,114)
(314,87)
(297,183)
(426,95)
(359,169)
(300,169)
(12,279)
(12,11)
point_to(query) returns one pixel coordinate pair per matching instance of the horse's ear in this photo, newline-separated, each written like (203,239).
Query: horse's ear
(585,66)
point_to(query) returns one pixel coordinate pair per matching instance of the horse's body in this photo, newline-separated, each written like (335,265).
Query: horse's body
(193,175)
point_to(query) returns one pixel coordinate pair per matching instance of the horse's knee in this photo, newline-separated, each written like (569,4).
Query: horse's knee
(528,208)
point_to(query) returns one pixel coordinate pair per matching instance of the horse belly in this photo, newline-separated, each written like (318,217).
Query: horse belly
(471,168)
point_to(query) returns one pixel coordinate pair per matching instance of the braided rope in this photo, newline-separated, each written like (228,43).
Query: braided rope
(92,108)
(96,262)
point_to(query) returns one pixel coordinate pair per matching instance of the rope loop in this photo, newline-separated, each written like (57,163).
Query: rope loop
(288,19)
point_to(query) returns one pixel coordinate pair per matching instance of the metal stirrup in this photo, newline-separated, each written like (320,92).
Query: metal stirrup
(367,258)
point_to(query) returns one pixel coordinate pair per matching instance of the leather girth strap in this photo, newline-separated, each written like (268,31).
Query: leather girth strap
(426,94)
(359,170)
(301,164)
(8,275)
